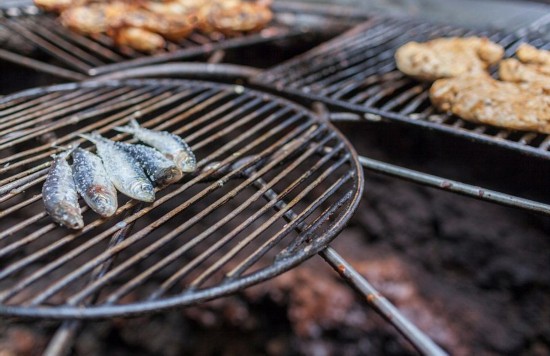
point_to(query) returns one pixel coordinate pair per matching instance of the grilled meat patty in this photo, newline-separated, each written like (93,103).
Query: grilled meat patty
(482,99)
(447,57)
(532,65)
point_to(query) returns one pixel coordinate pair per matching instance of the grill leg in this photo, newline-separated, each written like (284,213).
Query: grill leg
(378,302)
(381,305)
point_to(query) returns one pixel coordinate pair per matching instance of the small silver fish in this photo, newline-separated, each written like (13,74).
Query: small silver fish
(173,146)
(93,183)
(59,194)
(158,168)
(123,170)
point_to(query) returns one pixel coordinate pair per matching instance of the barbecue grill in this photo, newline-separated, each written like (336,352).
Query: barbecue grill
(276,182)
(356,73)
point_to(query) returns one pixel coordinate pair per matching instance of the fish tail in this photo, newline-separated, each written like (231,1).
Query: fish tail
(67,150)
(93,137)
(130,128)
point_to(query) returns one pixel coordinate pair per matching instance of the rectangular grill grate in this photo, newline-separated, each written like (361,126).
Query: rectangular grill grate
(356,72)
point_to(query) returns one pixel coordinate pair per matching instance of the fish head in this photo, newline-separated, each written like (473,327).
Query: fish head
(69,216)
(142,190)
(103,200)
(186,162)
(168,176)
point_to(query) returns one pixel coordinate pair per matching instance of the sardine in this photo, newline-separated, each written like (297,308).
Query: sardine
(173,146)
(59,194)
(93,183)
(123,170)
(160,170)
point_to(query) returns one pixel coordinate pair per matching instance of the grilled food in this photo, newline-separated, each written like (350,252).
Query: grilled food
(172,146)
(141,24)
(482,99)
(160,170)
(54,5)
(93,183)
(512,70)
(138,38)
(231,17)
(59,194)
(90,19)
(447,57)
(533,66)
(531,55)
(124,171)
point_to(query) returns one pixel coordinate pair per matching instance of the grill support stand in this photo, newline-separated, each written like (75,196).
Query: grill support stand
(381,305)
(374,299)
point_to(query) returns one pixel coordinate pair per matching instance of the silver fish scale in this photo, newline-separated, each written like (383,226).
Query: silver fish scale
(93,183)
(160,169)
(60,196)
(173,146)
(124,171)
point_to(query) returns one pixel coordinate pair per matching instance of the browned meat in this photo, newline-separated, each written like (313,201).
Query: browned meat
(529,54)
(447,57)
(482,99)
(139,39)
(512,70)
(533,66)
(233,16)
(174,20)
(172,27)
(53,5)
(91,19)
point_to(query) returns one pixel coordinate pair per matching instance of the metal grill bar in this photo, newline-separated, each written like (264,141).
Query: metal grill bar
(97,47)
(59,110)
(454,186)
(36,110)
(59,344)
(74,62)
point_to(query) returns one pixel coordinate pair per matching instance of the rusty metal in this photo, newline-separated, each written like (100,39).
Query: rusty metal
(356,73)
(383,306)
(78,56)
(203,238)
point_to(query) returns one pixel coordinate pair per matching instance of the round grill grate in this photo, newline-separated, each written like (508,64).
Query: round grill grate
(275,184)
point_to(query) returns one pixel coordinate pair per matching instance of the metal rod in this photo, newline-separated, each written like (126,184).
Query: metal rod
(277,33)
(454,186)
(383,306)
(41,66)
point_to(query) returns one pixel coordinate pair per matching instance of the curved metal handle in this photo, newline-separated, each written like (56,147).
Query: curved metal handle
(187,70)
